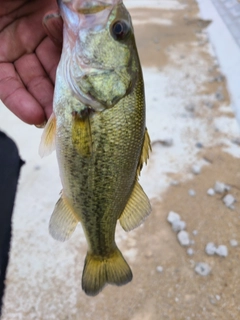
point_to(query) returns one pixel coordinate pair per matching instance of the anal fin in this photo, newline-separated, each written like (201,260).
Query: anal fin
(63,221)
(47,144)
(137,209)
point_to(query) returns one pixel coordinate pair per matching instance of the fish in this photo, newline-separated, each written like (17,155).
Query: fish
(99,132)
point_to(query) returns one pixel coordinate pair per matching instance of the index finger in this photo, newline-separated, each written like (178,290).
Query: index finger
(16,98)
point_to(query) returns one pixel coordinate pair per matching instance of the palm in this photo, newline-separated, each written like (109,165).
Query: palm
(28,59)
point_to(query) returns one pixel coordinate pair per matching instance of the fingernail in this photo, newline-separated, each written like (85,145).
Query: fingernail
(40,126)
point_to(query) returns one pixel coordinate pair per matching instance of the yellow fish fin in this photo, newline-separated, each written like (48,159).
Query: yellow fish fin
(63,220)
(98,271)
(81,134)
(47,144)
(137,209)
(145,152)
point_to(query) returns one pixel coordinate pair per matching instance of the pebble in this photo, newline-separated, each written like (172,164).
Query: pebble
(221,187)
(148,254)
(202,268)
(159,269)
(190,107)
(217,297)
(219,96)
(192,192)
(196,169)
(211,192)
(229,201)
(222,251)
(210,249)
(183,238)
(190,251)
(209,104)
(168,142)
(174,183)
(195,232)
(178,225)
(173,216)
(219,78)
(199,145)
(236,141)
(233,243)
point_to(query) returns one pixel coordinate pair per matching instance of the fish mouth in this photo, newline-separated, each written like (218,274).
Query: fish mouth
(87,7)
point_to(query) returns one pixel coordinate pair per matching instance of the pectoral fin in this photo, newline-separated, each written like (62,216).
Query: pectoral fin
(81,133)
(47,144)
(145,152)
(63,220)
(136,210)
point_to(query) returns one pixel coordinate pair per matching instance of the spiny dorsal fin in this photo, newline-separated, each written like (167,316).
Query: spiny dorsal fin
(63,220)
(98,271)
(145,152)
(47,144)
(136,210)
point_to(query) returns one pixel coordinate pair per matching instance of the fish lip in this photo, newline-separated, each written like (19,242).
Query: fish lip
(88,7)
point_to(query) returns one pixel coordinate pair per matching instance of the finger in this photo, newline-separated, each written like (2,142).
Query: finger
(15,96)
(36,81)
(50,60)
(53,25)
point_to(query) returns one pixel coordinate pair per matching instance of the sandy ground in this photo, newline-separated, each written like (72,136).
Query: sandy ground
(188,102)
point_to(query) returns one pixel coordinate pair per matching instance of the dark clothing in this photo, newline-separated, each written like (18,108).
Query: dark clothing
(10,164)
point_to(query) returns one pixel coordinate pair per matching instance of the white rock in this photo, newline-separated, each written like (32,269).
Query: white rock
(220,187)
(191,192)
(229,200)
(195,232)
(178,225)
(233,243)
(196,169)
(159,269)
(217,297)
(202,268)
(174,183)
(173,216)
(222,251)
(211,192)
(210,249)
(190,251)
(183,238)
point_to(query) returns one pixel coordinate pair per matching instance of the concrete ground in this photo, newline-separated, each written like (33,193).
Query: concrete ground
(191,123)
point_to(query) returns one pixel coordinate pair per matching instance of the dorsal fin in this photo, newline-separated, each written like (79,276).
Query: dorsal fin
(145,152)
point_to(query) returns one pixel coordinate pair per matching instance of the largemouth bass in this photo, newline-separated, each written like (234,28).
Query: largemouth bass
(98,129)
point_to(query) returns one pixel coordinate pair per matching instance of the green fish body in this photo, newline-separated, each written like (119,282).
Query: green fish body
(98,128)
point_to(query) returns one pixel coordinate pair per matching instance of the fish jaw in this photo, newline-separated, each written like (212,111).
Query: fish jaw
(89,62)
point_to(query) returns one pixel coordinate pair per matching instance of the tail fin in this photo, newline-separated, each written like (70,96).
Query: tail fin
(98,271)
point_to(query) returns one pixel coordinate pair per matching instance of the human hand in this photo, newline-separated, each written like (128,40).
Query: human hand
(30,49)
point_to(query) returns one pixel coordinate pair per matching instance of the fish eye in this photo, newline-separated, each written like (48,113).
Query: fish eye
(120,30)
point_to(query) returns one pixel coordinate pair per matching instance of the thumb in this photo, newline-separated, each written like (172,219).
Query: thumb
(53,25)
